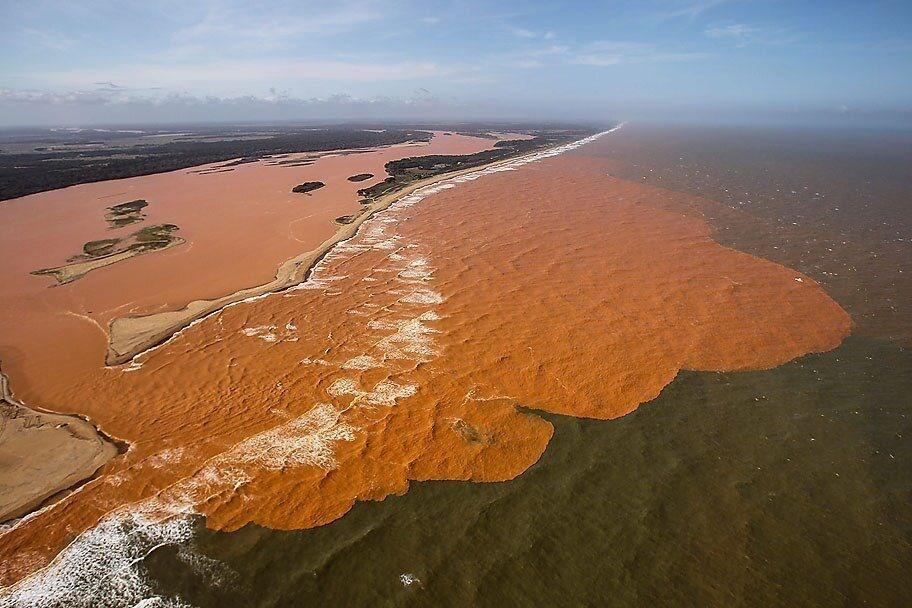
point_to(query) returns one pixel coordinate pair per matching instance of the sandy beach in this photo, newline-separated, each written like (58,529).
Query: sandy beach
(43,454)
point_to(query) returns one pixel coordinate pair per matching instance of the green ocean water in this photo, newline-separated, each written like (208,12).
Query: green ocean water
(782,487)
(788,487)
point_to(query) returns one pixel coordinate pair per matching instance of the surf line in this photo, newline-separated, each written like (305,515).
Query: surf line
(299,270)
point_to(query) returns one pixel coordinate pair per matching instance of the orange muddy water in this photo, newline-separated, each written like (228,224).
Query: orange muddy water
(406,355)
(240,225)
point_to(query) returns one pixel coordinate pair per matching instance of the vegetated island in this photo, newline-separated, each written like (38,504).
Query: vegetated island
(132,335)
(407,170)
(104,252)
(360,177)
(307,187)
(127,213)
(63,451)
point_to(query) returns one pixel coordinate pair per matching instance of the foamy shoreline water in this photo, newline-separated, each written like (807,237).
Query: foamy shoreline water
(105,561)
(404,201)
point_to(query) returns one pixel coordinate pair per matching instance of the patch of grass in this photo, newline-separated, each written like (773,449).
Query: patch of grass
(127,213)
(100,247)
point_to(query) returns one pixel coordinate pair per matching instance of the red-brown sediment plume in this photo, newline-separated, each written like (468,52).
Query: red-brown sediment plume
(407,354)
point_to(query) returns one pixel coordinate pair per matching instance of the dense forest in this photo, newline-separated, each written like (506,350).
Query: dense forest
(40,170)
(404,171)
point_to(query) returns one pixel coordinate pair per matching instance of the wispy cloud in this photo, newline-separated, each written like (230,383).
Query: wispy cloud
(227,26)
(611,53)
(47,39)
(688,9)
(521,32)
(744,35)
(738,32)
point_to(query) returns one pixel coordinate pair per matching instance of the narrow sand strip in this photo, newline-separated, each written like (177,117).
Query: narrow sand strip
(130,336)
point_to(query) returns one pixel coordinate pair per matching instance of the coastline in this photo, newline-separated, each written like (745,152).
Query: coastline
(73,450)
(129,336)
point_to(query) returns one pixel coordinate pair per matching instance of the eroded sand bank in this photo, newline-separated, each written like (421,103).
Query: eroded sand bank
(43,454)
(405,357)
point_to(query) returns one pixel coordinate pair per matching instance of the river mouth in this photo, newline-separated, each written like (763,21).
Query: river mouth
(415,349)
(768,466)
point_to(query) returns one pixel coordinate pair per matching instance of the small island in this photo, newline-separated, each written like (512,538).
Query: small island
(360,177)
(104,252)
(307,187)
(127,213)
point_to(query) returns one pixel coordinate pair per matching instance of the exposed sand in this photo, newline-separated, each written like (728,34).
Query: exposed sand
(129,336)
(75,270)
(407,353)
(43,454)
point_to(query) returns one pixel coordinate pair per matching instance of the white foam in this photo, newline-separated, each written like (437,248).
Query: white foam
(102,566)
(361,362)
(411,340)
(423,295)
(384,393)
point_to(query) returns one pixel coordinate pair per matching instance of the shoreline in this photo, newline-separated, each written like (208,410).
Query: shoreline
(75,451)
(132,336)
(72,437)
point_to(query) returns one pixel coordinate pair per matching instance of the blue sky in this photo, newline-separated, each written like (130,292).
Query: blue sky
(764,60)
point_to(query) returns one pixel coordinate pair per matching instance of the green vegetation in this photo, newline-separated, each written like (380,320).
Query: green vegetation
(360,177)
(307,187)
(155,234)
(127,213)
(103,252)
(408,170)
(74,163)
(99,248)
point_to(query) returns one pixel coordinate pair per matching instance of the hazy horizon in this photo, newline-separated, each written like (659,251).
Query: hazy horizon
(701,61)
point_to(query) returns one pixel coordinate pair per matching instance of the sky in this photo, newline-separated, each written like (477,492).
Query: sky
(776,61)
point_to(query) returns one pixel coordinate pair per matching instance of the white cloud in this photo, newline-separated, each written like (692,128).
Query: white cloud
(224,21)
(47,39)
(689,9)
(521,32)
(35,107)
(610,53)
(743,35)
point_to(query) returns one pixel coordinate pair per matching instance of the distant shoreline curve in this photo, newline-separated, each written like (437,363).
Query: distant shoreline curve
(132,336)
